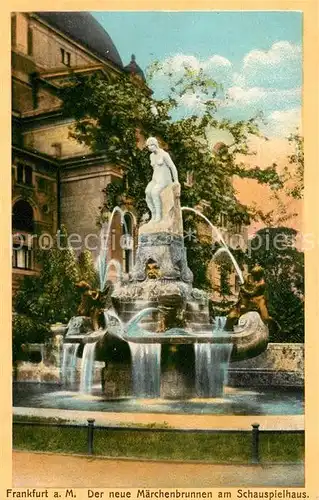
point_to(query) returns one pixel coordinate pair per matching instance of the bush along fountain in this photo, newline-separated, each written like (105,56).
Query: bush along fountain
(154,331)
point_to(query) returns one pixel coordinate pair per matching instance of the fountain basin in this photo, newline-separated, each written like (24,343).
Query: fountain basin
(249,338)
(249,400)
(178,339)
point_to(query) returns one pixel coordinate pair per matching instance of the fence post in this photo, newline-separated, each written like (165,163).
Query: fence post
(255,444)
(90,435)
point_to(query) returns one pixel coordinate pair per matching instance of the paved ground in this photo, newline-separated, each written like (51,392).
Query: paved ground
(183,421)
(51,470)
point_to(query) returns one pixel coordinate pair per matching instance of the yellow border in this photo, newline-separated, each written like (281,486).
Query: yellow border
(310,115)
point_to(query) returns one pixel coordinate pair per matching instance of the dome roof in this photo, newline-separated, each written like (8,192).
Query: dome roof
(134,68)
(84,29)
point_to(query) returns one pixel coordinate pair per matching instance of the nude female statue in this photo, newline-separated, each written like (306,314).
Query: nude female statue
(164,174)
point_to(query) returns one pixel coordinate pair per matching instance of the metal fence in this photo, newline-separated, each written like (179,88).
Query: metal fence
(255,432)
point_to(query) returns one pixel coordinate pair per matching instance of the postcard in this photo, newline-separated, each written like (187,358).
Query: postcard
(160,341)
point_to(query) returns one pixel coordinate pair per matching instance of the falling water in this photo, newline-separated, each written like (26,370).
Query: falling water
(211,363)
(133,322)
(87,368)
(219,324)
(102,266)
(211,367)
(220,239)
(101,260)
(116,326)
(146,369)
(69,363)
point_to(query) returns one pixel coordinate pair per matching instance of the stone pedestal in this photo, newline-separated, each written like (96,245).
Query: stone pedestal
(116,380)
(167,251)
(177,385)
(162,242)
(171,221)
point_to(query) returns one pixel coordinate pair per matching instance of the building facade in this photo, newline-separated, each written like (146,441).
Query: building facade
(55,180)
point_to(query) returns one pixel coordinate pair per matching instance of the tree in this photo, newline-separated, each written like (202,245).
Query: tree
(112,115)
(87,271)
(292,180)
(275,250)
(49,298)
(108,116)
(52,296)
(295,171)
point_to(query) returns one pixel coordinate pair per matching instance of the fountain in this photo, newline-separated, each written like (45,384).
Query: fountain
(152,335)
(156,325)
(102,265)
(87,368)
(224,248)
(146,369)
(211,365)
(69,362)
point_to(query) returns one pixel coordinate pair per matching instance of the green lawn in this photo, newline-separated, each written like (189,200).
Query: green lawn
(230,448)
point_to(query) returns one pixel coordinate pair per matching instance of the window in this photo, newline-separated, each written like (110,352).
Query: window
(65,57)
(22,216)
(13,30)
(21,257)
(30,41)
(57,148)
(44,185)
(21,253)
(28,175)
(20,175)
(24,174)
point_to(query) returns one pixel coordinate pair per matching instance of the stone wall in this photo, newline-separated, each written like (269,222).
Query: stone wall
(81,197)
(47,45)
(44,137)
(47,370)
(279,365)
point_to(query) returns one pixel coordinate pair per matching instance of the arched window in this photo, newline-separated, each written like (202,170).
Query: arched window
(22,216)
(128,243)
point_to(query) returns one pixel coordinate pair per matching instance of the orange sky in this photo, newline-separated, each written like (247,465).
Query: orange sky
(250,192)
